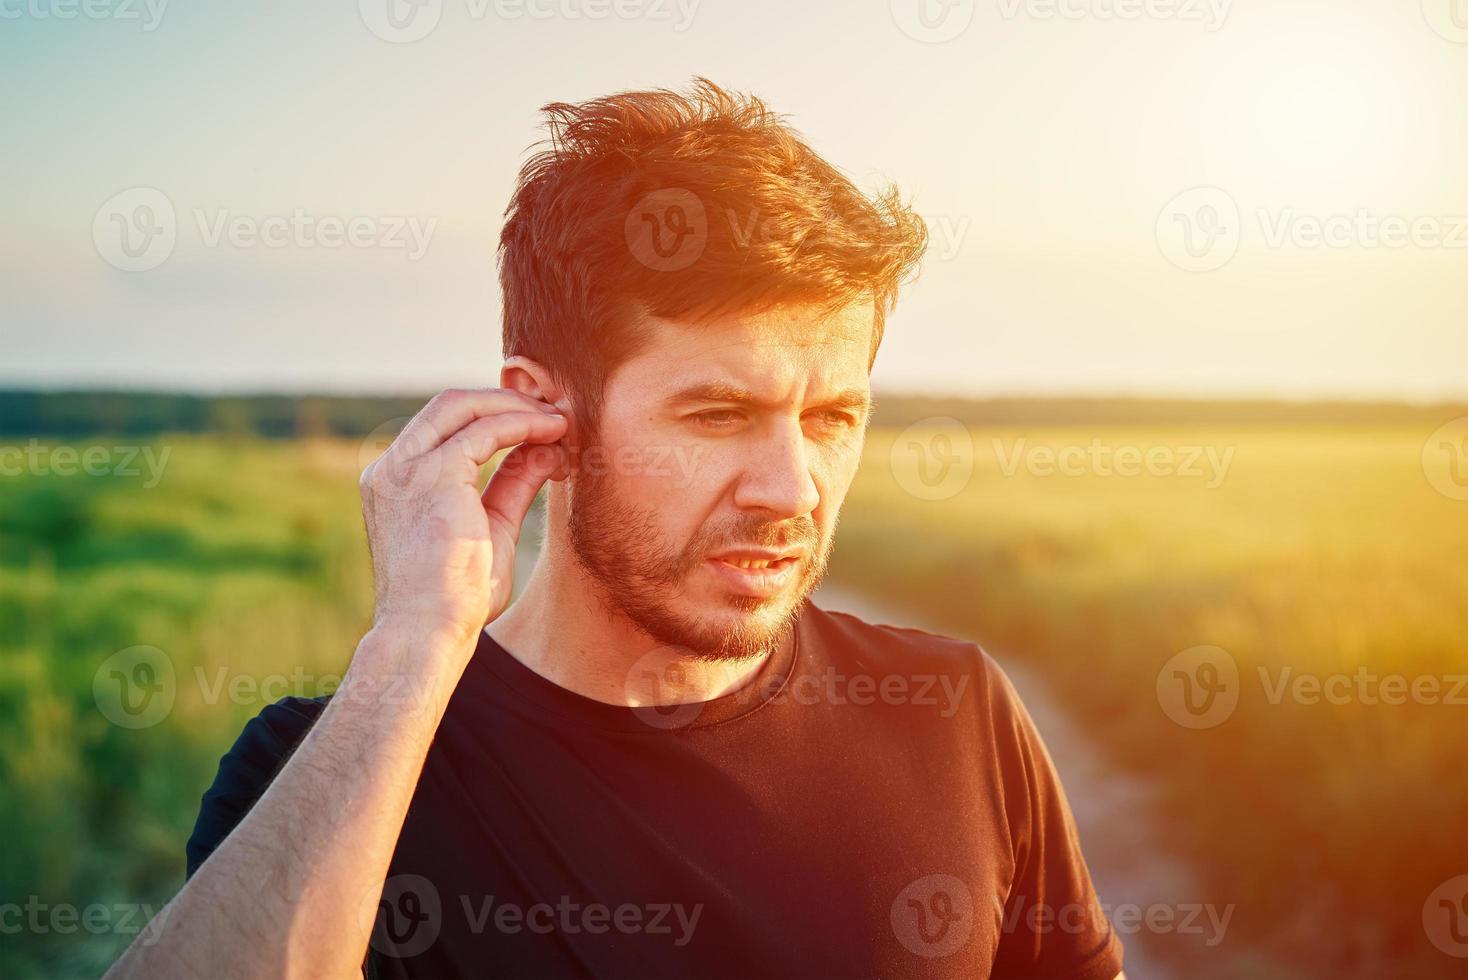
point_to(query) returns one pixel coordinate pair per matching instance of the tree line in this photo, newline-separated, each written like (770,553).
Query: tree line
(66,414)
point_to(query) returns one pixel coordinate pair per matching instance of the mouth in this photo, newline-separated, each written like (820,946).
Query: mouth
(755,576)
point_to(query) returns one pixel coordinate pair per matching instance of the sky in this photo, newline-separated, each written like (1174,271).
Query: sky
(1208,198)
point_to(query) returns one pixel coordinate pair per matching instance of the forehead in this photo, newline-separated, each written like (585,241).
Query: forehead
(769,353)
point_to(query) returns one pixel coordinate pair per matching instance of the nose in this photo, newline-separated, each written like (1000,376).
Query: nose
(777,477)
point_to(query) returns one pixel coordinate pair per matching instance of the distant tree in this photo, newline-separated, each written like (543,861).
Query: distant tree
(310,418)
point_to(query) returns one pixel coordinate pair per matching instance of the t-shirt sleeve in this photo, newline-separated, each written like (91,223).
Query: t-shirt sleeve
(246,771)
(1054,925)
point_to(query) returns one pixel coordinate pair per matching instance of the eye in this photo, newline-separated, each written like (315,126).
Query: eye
(717,419)
(835,417)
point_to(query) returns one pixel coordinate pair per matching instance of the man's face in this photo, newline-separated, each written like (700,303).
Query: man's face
(744,432)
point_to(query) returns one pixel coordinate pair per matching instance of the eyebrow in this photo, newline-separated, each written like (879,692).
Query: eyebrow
(723,391)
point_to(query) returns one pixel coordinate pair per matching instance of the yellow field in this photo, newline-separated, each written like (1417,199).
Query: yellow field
(1327,813)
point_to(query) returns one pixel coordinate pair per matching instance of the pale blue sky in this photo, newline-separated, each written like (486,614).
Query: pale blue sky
(1046,151)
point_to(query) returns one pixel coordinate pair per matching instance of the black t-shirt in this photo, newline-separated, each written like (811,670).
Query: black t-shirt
(875,803)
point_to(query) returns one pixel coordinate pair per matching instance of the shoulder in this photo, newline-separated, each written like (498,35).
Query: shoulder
(980,704)
(851,636)
(885,648)
(246,770)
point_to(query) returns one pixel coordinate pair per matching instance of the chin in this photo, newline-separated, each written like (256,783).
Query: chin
(729,627)
(766,614)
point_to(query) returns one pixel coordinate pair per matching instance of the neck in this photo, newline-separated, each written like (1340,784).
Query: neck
(558,628)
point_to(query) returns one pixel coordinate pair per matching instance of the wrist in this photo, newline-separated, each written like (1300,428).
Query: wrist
(423,635)
(402,667)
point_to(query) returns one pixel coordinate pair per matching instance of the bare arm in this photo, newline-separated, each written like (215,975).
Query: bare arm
(292,891)
(281,895)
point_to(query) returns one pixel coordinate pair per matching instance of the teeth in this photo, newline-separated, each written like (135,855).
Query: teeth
(745,563)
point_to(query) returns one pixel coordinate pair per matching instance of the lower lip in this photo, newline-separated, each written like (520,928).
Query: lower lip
(766,581)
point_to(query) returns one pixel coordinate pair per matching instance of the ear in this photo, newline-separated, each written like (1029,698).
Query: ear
(530,377)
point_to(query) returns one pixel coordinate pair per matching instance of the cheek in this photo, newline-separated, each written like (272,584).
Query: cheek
(653,475)
(677,488)
(834,470)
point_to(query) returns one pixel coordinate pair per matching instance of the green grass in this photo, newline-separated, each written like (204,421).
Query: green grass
(246,560)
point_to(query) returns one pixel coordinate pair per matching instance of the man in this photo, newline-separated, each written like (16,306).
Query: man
(662,760)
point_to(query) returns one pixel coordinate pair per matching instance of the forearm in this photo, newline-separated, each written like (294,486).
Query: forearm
(289,892)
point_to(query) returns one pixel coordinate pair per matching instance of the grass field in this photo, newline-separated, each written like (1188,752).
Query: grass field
(245,566)
(1318,549)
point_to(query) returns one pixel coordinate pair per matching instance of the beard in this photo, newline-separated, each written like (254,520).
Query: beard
(640,576)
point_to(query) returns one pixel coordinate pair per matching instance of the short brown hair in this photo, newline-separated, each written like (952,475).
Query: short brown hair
(577,265)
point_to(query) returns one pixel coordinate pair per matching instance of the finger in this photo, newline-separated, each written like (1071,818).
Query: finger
(514,484)
(478,441)
(448,412)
